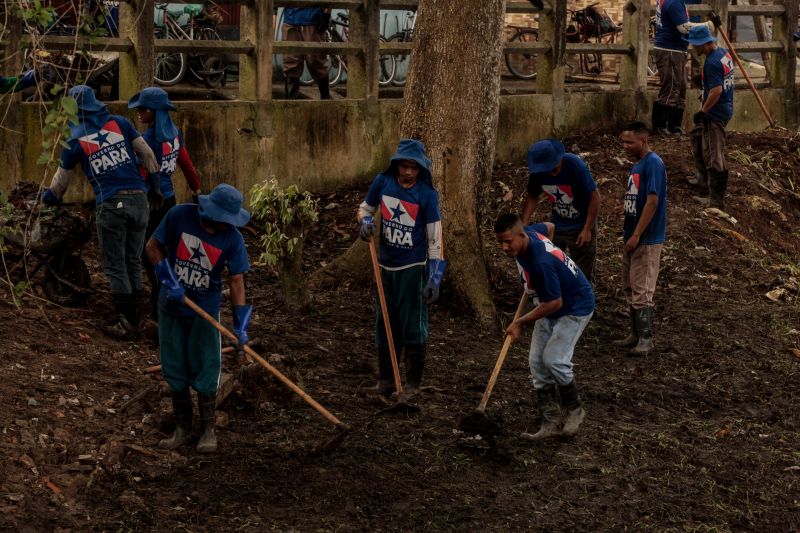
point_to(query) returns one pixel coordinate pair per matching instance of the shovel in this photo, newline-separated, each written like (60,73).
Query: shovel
(343,428)
(402,404)
(478,422)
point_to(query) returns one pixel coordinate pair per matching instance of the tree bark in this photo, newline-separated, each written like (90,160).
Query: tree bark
(452,104)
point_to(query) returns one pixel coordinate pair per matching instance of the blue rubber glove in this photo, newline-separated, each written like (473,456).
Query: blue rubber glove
(48,197)
(367,229)
(154,195)
(241,321)
(436,268)
(166,276)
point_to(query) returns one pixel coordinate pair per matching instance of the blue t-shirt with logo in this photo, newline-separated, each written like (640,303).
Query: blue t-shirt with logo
(569,191)
(718,71)
(553,275)
(669,15)
(405,214)
(648,176)
(198,258)
(166,153)
(302,16)
(107,158)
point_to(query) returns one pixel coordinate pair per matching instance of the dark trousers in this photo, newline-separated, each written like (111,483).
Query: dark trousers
(671,67)
(121,225)
(408,314)
(584,256)
(155,219)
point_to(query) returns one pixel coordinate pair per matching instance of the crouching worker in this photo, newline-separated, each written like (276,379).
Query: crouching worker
(410,240)
(190,249)
(566,304)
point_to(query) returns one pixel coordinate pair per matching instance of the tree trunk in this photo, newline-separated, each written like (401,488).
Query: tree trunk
(452,104)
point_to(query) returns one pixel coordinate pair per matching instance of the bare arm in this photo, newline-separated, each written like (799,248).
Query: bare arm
(531,202)
(237,290)
(593,211)
(712,98)
(154,251)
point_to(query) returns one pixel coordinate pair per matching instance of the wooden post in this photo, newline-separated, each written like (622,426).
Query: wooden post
(362,67)
(633,68)
(761,34)
(784,64)
(11,140)
(552,67)
(136,66)
(720,7)
(255,69)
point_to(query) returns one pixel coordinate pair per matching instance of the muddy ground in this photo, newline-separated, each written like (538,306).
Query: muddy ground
(703,435)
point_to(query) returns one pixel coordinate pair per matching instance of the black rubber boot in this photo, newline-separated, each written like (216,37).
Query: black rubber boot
(324,89)
(700,179)
(133,311)
(644,323)
(119,328)
(659,117)
(207,404)
(633,337)
(292,88)
(385,386)
(551,415)
(182,411)
(571,404)
(675,121)
(415,365)
(718,184)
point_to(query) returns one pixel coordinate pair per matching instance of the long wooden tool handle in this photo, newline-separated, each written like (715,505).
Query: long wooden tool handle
(376,269)
(764,109)
(502,357)
(271,369)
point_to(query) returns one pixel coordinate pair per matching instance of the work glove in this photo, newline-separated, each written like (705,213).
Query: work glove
(715,20)
(436,269)
(367,229)
(166,276)
(699,117)
(324,22)
(196,197)
(48,197)
(154,196)
(241,321)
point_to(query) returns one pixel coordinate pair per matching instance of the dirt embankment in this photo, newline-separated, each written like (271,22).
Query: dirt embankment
(702,435)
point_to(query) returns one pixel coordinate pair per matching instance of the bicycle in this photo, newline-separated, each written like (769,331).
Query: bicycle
(522,64)
(338,62)
(591,25)
(402,61)
(170,67)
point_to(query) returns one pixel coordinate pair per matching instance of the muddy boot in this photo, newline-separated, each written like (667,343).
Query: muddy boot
(292,88)
(182,411)
(133,312)
(644,323)
(119,328)
(385,386)
(324,89)
(571,403)
(633,337)
(675,121)
(551,415)
(718,183)
(415,365)
(659,117)
(207,403)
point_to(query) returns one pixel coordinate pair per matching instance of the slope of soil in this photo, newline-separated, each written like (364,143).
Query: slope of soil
(703,435)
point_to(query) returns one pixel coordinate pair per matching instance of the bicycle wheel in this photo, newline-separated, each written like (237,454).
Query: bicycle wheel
(402,61)
(169,66)
(210,67)
(521,64)
(386,68)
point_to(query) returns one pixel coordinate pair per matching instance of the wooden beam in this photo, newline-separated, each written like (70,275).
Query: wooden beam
(395,48)
(760,26)
(523,6)
(299,47)
(69,43)
(332,4)
(528,46)
(742,10)
(599,48)
(767,46)
(210,47)
(409,5)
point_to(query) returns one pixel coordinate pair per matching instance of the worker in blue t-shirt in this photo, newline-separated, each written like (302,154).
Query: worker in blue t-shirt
(12,84)
(306,24)
(565,304)
(190,249)
(669,51)
(411,259)
(644,232)
(106,146)
(567,182)
(708,138)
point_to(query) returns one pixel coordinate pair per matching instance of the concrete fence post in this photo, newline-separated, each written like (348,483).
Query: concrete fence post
(136,66)
(255,69)
(362,75)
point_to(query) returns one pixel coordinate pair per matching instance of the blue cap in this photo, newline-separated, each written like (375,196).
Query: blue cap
(700,35)
(544,156)
(224,204)
(153,98)
(87,101)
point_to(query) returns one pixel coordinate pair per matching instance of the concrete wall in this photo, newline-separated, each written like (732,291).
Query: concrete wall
(323,146)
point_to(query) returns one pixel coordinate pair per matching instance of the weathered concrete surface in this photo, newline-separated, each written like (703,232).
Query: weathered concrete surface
(323,145)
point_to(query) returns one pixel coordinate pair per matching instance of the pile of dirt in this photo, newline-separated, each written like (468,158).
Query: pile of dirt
(704,434)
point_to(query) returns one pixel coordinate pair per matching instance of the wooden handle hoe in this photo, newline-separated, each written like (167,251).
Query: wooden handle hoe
(385,313)
(271,369)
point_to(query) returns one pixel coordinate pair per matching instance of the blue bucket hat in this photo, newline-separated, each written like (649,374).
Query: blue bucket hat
(544,156)
(157,99)
(224,204)
(92,114)
(87,101)
(700,35)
